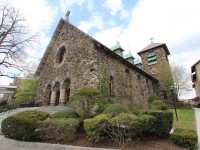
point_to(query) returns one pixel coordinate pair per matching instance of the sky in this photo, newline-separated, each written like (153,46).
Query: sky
(131,22)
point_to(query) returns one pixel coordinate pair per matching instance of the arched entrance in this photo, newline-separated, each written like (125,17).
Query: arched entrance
(65,92)
(57,90)
(48,94)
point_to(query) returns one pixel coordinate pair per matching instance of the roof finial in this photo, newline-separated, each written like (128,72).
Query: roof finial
(151,39)
(67,15)
(117,38)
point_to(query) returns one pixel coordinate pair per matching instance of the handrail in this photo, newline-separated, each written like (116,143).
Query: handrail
(10,106)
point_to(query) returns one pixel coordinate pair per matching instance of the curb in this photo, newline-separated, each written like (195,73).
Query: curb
(35,145)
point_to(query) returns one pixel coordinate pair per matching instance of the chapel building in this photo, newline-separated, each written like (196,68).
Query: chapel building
(73,60)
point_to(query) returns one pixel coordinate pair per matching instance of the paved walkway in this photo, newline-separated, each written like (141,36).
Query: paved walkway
(197,113)
(9,144)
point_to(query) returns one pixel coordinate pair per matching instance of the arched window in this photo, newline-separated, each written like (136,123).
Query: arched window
(151,57)
(111,86)
(60,55)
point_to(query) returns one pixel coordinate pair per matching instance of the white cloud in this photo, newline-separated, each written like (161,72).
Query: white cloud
(90,5)
(39,17)
(95,21)
(109,36)
(67,4)
(116,6)
(175,23)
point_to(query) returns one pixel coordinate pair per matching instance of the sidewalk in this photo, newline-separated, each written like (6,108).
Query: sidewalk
(9,144)
(197,114)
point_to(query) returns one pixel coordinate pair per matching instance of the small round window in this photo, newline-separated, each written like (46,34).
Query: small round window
(60,54)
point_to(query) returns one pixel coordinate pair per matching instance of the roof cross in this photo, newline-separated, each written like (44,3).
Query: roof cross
(67,15)
(151,39)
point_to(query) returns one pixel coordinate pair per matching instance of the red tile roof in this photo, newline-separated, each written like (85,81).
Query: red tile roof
(18,80)
(153,46)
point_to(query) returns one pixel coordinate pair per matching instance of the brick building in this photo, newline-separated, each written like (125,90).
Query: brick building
(74,60)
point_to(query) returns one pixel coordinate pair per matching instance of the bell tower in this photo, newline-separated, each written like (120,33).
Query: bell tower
(155,62)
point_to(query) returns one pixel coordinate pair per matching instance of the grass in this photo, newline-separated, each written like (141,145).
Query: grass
(186,119)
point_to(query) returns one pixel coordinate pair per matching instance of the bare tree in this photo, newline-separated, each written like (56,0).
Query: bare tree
(14,38)
(181,79)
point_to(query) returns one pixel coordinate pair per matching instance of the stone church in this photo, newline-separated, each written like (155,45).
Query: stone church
(73,60)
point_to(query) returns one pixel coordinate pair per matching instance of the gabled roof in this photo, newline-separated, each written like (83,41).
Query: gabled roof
(129,55)
(116,47)
(153,46)
(98,45)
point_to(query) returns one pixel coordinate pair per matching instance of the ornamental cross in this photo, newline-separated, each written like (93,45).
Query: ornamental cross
(67,15)
(151,39)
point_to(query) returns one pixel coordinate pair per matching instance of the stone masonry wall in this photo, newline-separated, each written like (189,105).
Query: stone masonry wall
(79,58)
(161,58)
(87,66)
(129,86)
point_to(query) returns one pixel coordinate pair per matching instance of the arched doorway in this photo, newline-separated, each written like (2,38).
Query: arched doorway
(57,89)
(66,84)
(48,94)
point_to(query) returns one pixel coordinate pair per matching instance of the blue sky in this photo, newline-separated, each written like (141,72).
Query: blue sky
(132,22)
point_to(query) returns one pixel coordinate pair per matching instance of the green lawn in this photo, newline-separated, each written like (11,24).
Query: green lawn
(186,119)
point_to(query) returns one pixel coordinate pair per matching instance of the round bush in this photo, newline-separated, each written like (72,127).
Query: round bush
(115,109)
(67,113)
(185,138)
(21,126)
(158,105)
(58,129)
(163,122)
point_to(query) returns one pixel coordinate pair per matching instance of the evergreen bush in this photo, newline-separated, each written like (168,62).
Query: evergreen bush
(119,128)
(115,109)
(158,105)
(163,122)
(185,138)
(58,129)
(142,125)
(95,127)
(67,113)
(21,126)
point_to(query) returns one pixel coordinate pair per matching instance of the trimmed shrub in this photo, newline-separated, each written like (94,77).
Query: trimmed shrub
(58,129)
(163,122)
(21,126)
(185,138)
(115,109)
(120,128)
(67,113)
(158,105)
(143,124)
(95,127)
(86,101)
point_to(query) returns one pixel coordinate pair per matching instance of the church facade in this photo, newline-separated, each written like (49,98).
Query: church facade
(74,60)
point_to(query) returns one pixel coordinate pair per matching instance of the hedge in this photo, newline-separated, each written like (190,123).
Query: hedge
(95,127)
(163,122)
(58,129)
(158,105)
(185,138)
(115,109)
(119,128)
(21,126)
(67,113)
(142,125)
